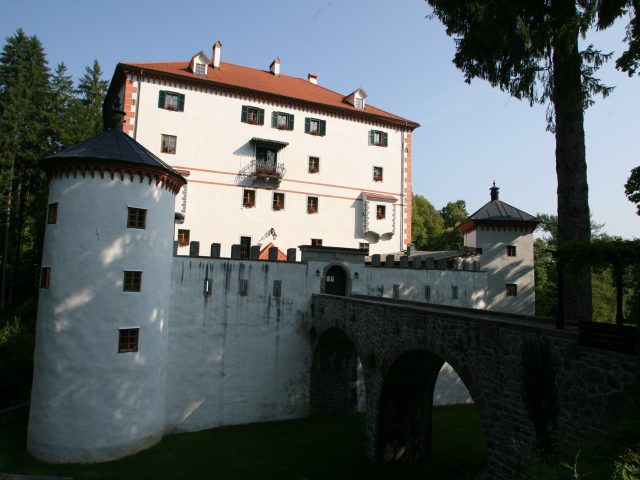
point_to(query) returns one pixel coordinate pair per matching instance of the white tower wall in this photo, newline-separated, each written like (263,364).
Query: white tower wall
(90,403)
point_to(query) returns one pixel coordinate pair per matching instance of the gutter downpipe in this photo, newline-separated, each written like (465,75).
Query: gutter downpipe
(402,193)
(137,117)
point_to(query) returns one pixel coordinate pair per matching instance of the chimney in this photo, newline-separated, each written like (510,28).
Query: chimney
(217,51)
(494,192)
(313,78)
(275,66)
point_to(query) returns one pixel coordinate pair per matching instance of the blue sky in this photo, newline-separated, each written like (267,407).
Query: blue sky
(470,134)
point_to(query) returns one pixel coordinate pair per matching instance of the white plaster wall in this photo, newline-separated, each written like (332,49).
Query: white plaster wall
(213,144)
(502,269)
(237,359)
(90,403)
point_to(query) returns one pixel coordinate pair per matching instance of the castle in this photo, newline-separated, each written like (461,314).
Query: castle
(140,334)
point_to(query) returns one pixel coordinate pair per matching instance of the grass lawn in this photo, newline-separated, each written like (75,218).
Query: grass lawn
(308,449)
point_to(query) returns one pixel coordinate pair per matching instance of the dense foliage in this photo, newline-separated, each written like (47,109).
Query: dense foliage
(529,48)
(40,113)
(433,229)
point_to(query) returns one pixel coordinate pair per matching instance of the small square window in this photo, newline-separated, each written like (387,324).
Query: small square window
(200,69)
(128,340)
(137,218)
(396,290)
(427,293)
(511,250)
(314,165)
(183,237)
(52,214)
(283,121)
(454,292)
(171,101)
(244,287)
(132,281)
(377,174)
(315,126)
(312,204)
(278,201)
(248,198)
(364,246)
(277,288)
(169,144)
(245,247)
(381,212)
(378,138)
(45,277)
(316,242)
(253,115)
(512,290)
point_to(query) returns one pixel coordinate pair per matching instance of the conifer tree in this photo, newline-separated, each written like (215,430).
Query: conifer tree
(63,104)
(92,90)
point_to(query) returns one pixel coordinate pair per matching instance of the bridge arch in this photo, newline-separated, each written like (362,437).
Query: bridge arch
(405,403)
(336,280)
(333,383)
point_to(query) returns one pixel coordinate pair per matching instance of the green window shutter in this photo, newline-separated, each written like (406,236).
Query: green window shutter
(290,122)
(307,125)
(323,128)
(181,102)
(370,137)
(384,138)
(245,110)
(274,120)
(260,116)
(161,99)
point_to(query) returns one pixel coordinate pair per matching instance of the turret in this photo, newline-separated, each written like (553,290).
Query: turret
(101,340)
(504,236)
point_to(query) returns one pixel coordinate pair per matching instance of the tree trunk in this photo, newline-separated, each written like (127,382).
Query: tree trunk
(571,167)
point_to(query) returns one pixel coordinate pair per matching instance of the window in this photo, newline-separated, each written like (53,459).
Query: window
(396,290)
(512,290)
(207,289)
(244,287)
(200,69)
(454,292)
(316,242)
(313,126)
(137,218)
(427,293)
(169,144)
(248,198)
(45,277)
(128,339)
(312,204)
(282,121)
(314,164)
(52,214)
(183,237)
(245,247)
(378,138)
(377,174)
(364,246)
(171,101)
(252,115)
(132,281)
(511,251)
(359,103)
(277,288)
(380,212)
(278,201)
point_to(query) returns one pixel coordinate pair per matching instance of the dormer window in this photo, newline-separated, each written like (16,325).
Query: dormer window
(200,69)
(357,98)
(359,104)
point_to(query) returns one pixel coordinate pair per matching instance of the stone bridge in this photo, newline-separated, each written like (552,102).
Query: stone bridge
(402,346)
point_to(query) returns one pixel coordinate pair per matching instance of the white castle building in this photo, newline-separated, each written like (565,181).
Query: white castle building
(137,337)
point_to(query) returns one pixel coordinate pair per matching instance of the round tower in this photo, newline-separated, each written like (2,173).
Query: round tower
(101,340)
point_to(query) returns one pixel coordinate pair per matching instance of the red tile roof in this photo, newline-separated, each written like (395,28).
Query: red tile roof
(252,80)
(379,196)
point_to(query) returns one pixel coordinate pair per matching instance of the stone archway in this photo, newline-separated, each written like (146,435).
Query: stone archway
(333,375)
(336,281)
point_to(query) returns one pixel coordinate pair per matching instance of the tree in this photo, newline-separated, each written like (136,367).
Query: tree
(426,224)
(25,135)
(529,48)
(63,102)
(632,188)
(91,90)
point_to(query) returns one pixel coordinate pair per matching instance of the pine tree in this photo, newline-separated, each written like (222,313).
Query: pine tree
(91,90)
(63,104)
(25,138)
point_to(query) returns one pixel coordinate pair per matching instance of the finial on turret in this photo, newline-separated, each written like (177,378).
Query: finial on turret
(116,117)
(494,192)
